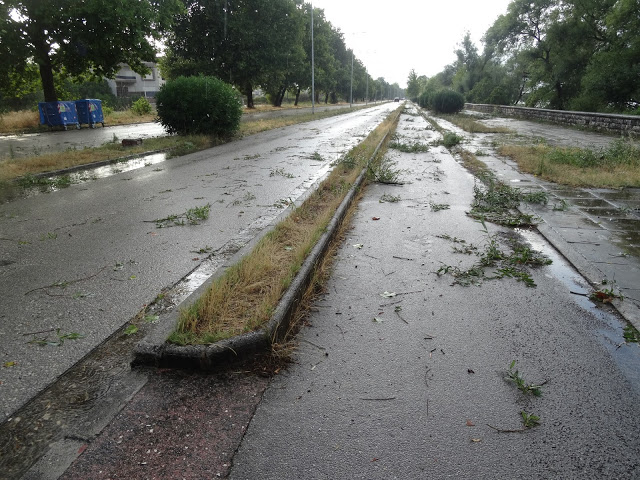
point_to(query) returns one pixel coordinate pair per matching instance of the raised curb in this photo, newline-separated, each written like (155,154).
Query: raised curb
(153,350)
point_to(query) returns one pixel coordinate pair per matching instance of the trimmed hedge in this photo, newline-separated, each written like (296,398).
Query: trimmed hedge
(199,105)
(447,101)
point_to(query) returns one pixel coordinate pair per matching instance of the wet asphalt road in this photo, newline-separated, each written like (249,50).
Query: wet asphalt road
(67,255)
(410,386)
(410,395)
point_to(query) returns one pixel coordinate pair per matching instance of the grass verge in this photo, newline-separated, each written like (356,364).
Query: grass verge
(618,166)
(12,168)
(246,295)
(28,121)
(471,125)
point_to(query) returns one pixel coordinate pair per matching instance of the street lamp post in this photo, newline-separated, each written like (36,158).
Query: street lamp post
(366,95)
(351,94)
(313,79)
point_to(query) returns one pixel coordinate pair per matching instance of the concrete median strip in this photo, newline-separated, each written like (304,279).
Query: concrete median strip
(154,350)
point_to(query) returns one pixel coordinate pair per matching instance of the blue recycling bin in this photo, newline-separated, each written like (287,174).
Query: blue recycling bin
(58,114)
(90,111)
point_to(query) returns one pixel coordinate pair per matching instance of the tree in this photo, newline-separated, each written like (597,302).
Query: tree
(611,77)
(248,43)
(79,37)
(413,85)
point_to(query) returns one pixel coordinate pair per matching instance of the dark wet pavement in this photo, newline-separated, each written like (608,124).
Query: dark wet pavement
(402,374)
(598,229)
(401,386)
(181,425)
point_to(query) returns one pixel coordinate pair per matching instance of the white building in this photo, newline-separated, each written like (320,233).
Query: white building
(128,83)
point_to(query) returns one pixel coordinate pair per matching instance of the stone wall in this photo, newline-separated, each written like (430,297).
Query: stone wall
(623,124)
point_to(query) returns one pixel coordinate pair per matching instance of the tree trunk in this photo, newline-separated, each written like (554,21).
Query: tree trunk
(297,96)
(46,77)
(248,91)
(326,98)
(281,93)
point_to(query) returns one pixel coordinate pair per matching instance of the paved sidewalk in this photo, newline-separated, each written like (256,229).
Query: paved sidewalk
(596,229)
(411,385)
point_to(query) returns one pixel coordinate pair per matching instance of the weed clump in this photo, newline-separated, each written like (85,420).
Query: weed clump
(416,147)
(510,263)
(498,203)
(141,107)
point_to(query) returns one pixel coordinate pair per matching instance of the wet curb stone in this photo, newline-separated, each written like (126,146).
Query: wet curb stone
(153,350)
(627,310)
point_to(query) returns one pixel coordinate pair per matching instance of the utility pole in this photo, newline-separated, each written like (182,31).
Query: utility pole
(351,94)
(366,95)
(313,79)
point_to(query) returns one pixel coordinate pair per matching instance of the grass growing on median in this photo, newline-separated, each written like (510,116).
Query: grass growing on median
(246,295)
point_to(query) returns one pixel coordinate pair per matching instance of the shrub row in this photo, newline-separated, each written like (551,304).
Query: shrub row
(442,101)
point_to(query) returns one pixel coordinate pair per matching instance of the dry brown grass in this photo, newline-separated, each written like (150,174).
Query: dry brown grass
(538,160)
(245,297)
(471,125)
(471,162)
(11,169)
(18,122)
(126,117)
(26,121)
(31,165)
(249,126)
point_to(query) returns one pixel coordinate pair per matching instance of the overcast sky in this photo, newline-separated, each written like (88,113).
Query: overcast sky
(393,37)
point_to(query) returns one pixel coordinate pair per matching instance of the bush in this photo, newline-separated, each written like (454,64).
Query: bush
(447,101)
(141,106)
(425,98)
(204,105)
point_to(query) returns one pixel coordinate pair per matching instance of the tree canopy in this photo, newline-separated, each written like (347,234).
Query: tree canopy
(267,44)
(562,54)
(76,38)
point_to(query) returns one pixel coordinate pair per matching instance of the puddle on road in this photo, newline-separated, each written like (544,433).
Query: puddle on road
(591,203)
(611,329)
(55,183)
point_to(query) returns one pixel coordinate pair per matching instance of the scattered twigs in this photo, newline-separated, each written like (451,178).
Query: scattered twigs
(65,284)
(311,343)
(41,331)
(501,430)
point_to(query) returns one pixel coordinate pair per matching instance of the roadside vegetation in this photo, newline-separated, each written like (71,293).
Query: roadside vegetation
(25,166)
(470,124)
(615,167)
(28,121)
(247,294)
(585,59)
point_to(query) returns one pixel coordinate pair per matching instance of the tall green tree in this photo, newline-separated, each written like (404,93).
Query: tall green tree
(413,85)
(612,77)
(79,37)
(248,43)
